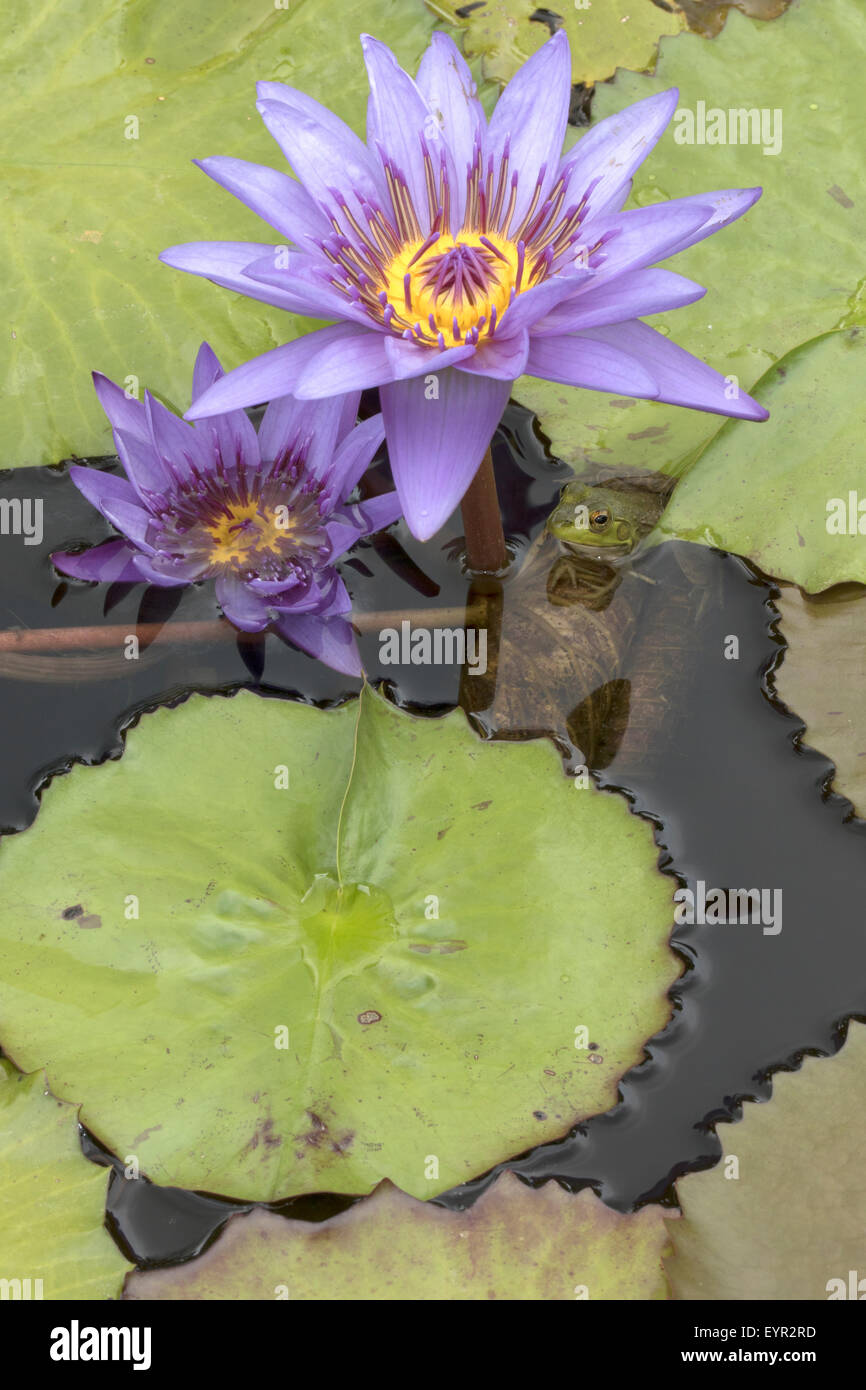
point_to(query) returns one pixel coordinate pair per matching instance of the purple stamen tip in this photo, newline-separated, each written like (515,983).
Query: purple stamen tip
(490,247)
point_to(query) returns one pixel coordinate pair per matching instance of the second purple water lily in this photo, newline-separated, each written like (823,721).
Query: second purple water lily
(264,514)
(466,250)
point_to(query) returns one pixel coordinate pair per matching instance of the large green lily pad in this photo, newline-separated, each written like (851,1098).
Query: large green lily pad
(53,1241)
(89,210)
(828,633)
(515,1243)
(603,36)
(781,494)
(769,289)
(789,1226)
(288,1012)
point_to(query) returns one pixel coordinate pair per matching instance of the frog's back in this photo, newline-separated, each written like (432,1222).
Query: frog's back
(635,483)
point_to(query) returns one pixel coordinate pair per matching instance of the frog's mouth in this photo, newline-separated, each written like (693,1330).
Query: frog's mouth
(594,550)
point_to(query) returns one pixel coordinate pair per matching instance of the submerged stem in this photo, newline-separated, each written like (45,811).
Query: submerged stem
(70,639)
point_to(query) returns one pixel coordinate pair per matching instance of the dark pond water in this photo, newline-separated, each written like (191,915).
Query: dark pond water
(702,749)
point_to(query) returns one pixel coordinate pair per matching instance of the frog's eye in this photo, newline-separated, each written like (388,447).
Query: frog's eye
(599,520)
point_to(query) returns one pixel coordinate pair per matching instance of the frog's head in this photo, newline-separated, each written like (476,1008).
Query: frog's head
(600,519)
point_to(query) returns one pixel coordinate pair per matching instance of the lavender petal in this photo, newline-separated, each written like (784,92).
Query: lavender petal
(398,119)
(263,378)
(280,201)
(224,262)
(681,378)
(367,357)
(503,358)
(110,563)
(330,640)
(605,158)
(352,458)
(725,207)
(144,467)
(448,85)
(436,445)
(181,448)
(160,577)
(305,281)
(124,413)
(594,365)
(240,605)
(530,118)
(633,295)
(103,489)
(641,236)
(328,158)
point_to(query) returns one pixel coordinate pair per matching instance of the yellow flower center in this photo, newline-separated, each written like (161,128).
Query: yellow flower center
(246,530)
(454,286)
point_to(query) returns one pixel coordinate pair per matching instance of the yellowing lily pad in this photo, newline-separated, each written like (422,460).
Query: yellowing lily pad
(277,949)
(708,17)
(768,289)
(603,36)
(781,1217)
(100,180)
(53,1241)
(515,1243)
(828,633)
(781,493)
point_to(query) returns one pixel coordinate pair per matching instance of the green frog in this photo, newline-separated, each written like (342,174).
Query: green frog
(609,518)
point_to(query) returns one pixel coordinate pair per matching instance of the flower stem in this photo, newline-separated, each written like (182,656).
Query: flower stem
(482,522)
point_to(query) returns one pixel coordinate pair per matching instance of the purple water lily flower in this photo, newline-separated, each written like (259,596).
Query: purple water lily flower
(264,514)
(471,251)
